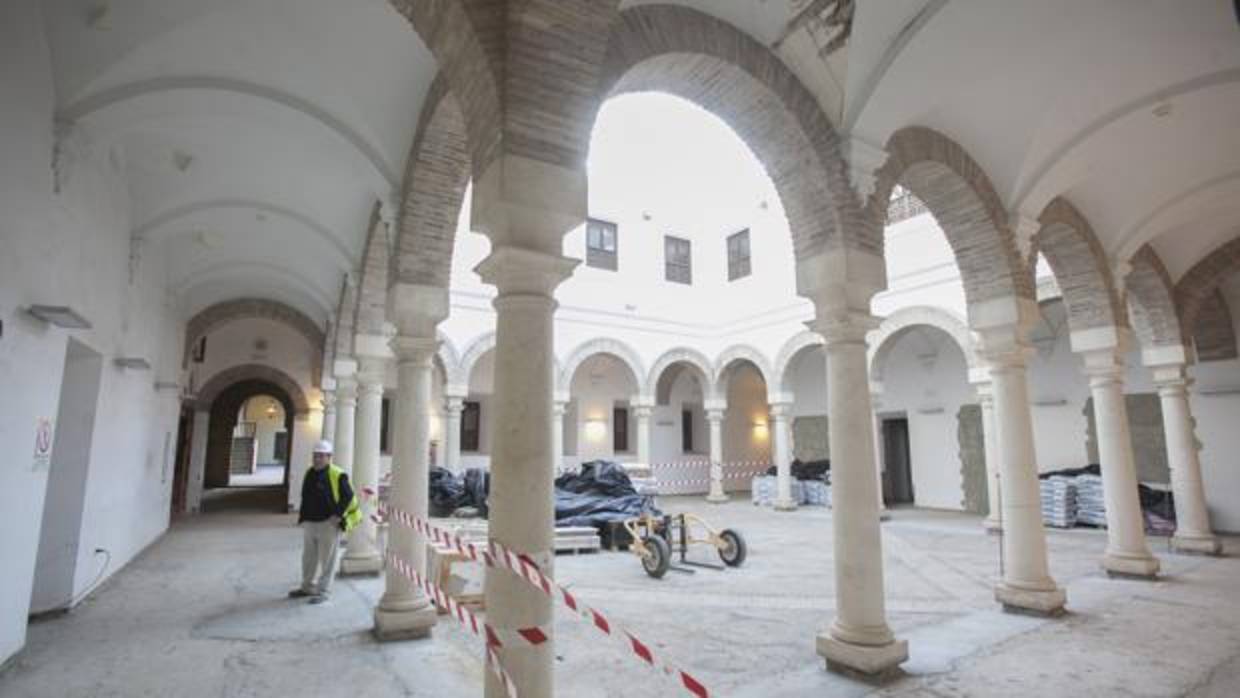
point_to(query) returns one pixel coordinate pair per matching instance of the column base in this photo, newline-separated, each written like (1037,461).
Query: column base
(362,565)
(884,514)
(785,505)
(873,663)
(992,526)
(1035,602)
(398,623)
(1197,545)
(717,498)
(1130,566)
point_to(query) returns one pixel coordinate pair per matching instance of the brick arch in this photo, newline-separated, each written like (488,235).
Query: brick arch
(1151,301)
(220,314)
(436,176)
(896,325)
(1195,288)
(733,354)
(467,40)
(964,202)
(702,59)
(1080,266)
(370,309)
(346,320)
(612,347)
(229,377)
(681,355)
(1214,335)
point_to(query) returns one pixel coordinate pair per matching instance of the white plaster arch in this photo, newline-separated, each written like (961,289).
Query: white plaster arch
(789,351)
(149,230)
(227,269)
(602,345)
(881,340)
(473,352)
(451,360)
(100,101)
(684,355)
(740,352)
(1166,213)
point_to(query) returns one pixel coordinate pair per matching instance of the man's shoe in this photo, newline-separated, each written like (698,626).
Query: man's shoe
(317,599)
(299,593)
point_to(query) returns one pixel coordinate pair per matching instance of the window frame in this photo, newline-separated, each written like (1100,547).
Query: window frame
(674,269)
(735,259)
(471,436)
(599,257)
(620,429)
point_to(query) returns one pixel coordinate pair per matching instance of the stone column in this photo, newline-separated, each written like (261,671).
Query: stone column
(404,610)
(1192,531)
(876,394)
(346,413)
(783,457)
(859,639)
(1027,585)
(454,404)
(642,412)
(197,461)
(558,409)
(714,415)
(329,415)
(994,495)
(362,554)
(1127,553)
(522,516)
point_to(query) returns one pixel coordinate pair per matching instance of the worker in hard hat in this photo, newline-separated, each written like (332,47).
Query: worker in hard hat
(328,507)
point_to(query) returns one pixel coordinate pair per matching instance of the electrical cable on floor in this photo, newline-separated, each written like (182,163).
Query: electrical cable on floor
(91,587)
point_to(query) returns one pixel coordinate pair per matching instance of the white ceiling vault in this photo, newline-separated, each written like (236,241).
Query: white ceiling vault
(257,134)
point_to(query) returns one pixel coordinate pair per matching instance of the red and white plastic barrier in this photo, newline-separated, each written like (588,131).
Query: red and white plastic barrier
(496,555)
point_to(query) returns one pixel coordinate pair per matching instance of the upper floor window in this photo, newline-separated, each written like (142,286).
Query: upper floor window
(601,244)
(738,255)
(677,260)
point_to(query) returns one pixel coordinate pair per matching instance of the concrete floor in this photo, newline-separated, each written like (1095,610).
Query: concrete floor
(203,613)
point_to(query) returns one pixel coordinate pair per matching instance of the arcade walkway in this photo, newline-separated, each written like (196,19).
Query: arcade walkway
(202,613)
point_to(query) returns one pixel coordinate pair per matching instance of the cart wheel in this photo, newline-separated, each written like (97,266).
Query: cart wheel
(658,556)
(733,550)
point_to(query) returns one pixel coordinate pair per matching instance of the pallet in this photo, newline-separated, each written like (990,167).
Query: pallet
(615,536)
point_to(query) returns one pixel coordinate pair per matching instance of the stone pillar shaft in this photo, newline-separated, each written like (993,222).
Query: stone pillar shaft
(990,444)
(716,495)
(783,458)
(1027,584)
(452,434)
(346,420)
(557,434)
(1192,533)
(405,611)
(329,415)
(1127,552)
(643,434)
(362,554)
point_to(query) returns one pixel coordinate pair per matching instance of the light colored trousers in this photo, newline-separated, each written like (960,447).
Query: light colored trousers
(319,554)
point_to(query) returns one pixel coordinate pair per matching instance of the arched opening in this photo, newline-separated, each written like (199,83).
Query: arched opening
(226,410)
(804,380)
(599,416)
(746,421)
(680,430)
(259,454)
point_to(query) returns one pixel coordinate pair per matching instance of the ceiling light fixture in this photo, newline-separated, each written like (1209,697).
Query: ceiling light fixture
(60,316)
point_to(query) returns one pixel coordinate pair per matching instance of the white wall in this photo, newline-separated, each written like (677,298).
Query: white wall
(746,422)
(1216,406)
(266,426)
(72,249)
(666,442)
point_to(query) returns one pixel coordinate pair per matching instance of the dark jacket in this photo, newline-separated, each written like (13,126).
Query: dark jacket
(316,496)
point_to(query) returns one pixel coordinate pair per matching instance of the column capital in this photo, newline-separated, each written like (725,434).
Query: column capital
(371,369)
(519,271)
(454,404)
(639,401)
(715,404)
(344,367)
(371,345)
(417,350)
(642,411)
(714,415)
(454,390)
(346,390)
(781,410)
(1171,376)
(847,327)
(1104,365)
(416,309)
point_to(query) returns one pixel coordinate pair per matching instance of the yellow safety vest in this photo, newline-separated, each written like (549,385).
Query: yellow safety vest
(353,512)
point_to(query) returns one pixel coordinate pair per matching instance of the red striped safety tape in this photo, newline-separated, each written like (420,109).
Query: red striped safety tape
(496,555)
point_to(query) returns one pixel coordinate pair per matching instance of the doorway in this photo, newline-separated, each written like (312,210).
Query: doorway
(898,471)
(65,497)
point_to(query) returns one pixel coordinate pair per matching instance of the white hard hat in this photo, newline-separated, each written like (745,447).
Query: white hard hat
(323,446)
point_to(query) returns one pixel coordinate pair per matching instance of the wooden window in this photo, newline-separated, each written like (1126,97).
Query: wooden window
(686,431)
(385,419)
(601,244)
(471,425)
(620,429)
(738,255)
(678,260)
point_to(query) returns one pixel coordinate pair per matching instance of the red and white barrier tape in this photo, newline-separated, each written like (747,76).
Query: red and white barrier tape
(497,556)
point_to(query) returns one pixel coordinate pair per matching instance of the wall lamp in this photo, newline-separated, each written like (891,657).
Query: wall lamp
(60,316)
(596,429)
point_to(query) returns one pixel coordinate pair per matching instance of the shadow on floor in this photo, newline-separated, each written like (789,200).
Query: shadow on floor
(269,499)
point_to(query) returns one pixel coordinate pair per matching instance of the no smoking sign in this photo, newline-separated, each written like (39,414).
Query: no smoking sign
(43,445)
